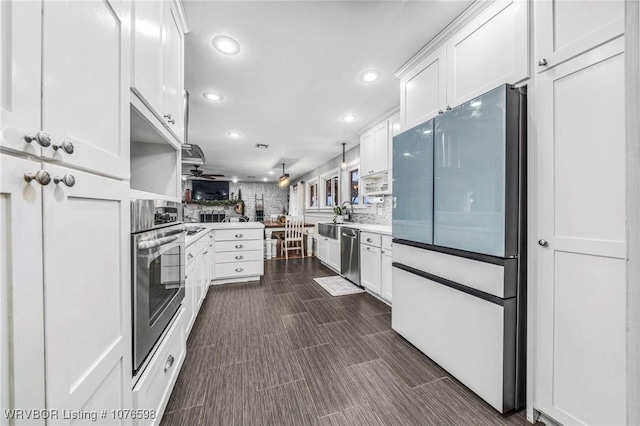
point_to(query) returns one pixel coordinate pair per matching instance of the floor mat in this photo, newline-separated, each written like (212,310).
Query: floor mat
(338,286)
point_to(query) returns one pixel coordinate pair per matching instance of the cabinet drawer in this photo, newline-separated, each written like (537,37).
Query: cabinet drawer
(154,387)
(370,238)
(239,269)
(239,234)
(386,242)
(245,256)
(233,246)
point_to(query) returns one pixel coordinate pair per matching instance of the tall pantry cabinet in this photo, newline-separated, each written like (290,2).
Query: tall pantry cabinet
(64,219)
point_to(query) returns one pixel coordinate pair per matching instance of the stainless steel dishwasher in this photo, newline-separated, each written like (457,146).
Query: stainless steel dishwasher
(350,254)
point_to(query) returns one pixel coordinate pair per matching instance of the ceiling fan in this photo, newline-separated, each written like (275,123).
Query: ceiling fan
(196,173)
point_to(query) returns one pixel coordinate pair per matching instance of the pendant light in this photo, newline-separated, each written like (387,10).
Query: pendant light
(343,166)
(284,179)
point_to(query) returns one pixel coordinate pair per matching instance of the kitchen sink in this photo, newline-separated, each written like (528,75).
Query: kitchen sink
(329,230)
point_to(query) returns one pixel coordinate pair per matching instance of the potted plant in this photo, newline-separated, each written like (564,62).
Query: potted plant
(338,215)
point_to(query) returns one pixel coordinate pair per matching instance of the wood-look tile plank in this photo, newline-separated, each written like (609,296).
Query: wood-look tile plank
(188,417)
(331,387)
(350,346)
(287,405)
(362,416)
(405,360)
(307,292)
(289,303)
(225,398)
(365,324)
(395,401)
(303,331)
(276,363)
(322,311)
(335,419)
(190,388)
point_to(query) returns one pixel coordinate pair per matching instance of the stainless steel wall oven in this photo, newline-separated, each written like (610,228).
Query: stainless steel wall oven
(157,269)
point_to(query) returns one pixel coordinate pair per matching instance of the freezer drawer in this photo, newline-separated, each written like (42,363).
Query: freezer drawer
(472,338)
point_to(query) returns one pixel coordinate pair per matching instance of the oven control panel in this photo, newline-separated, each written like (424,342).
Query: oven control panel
(165,215)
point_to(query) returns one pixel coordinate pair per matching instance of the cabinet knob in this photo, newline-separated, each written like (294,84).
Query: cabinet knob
(543,62)
(169,119)
(66,146)
(239,257)
(169,363)
(206,252)
(67,179)
(239,246)
(239,269)
(543,243)
(41,137)
(239,235)
(41,176)
(448,108)
(440,111)
(190,256)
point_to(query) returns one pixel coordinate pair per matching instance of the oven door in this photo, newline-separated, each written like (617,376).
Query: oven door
(158,285)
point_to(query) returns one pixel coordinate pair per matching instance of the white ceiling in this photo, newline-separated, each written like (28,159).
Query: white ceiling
(296,75)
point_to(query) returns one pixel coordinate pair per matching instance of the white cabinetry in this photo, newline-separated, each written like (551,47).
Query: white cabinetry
(582,263)
(322,248)
(565,29)
(328,251)
(158,61)
(199,259)
(490,50)
(238,254)
(77,238)
(374,150)
(386,269)
(375,263)
(370,267)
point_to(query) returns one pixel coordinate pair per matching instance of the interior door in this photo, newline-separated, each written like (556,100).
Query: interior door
(20,48)
(87,293)
(86,84)
(21,298)
(580,273)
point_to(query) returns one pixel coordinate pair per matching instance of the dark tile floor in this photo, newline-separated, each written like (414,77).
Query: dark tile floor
(285,352)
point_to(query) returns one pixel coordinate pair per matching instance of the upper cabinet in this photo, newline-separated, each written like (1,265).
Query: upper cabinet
(565,29)
(490,50)
(157,76)
(374,149)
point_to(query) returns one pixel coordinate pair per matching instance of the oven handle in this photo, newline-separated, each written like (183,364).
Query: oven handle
(145,245)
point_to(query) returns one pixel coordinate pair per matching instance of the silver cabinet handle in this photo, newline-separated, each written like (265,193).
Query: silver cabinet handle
(66,146)
(239,269)
(41,137)
(67,179)
(239,246)
(169,119)
(190,256)
(239,257)
(239,235)
(169,363)
(543,243)
(369,240)
(41,176)
(543,62)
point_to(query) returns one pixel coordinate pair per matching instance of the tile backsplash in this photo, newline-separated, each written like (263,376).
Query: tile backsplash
(377,214)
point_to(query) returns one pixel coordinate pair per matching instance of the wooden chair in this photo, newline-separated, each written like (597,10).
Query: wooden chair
(293,235)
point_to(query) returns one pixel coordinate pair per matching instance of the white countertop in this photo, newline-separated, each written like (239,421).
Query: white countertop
(379,229)
(190,239)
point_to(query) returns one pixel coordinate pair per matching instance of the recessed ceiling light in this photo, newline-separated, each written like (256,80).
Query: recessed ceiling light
(234,134)
(370,76)
(348,117)
(213,96)
(270,172)
(226,45)
(234,180)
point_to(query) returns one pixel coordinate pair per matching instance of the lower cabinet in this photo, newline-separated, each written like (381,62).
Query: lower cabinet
(375,264)
(322,248)
(370,268)
(154,387)
(386,274)
(328,251)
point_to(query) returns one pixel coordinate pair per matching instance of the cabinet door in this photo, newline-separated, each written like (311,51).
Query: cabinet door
(21,299)
(333,254)
(386,275)
(370,268)
(197,284)
(148,44)
(189,296)
(20,49)
(367,154)
(381,147)
(85,98)
(491,50)
(423,92)
(174,71)
(565,29)
(87,285)
(580,270)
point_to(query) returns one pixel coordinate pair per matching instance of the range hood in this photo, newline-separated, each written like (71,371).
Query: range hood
(192,154)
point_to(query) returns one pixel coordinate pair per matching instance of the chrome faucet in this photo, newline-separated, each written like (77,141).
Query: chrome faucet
(349,216)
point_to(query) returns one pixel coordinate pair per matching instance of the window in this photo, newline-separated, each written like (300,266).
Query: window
(354,186)
(331,189)
(312,194)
